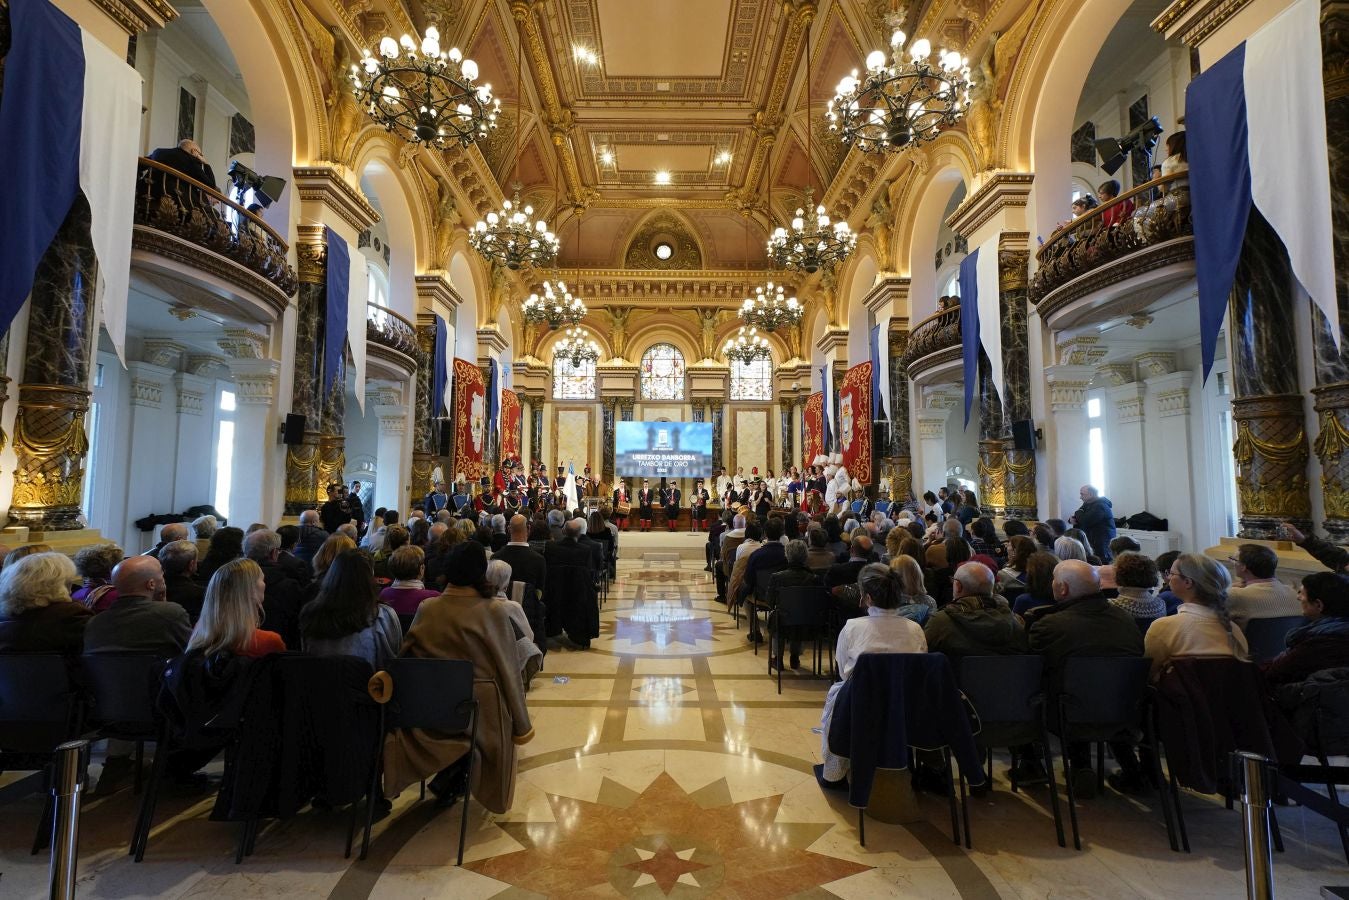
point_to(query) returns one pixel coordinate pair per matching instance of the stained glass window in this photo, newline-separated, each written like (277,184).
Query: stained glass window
(662,373)
(573,382)
(752,380)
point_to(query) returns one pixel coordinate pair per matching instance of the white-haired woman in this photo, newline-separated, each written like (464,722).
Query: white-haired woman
(36,612)
(1201,626)
(526,650)
(203,529)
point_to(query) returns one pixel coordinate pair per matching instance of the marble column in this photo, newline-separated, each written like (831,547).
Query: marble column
(391,454)
(840,371)
(1068,405)
(1271,449)
(992,447)
(303,484)
(931,421)
(608,415)
(900,453)
(1019,465)
(1332,364)
(788,406)
(49,431)
(255,427)
(718,436)
(423,439)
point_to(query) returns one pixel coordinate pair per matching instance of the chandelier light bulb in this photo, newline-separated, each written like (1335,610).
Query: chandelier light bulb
(455,55)
(875,62)
(388,47)
(897,39)
(469,69)
(407,43)
(921,50)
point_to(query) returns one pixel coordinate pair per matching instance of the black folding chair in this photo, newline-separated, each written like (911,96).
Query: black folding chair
(1008,694)
(805,609)
(1266,638)
(1100,698)
(40,709)
(124,686)
(405,620)
(436,695)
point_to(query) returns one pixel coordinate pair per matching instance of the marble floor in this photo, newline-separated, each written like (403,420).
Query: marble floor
(667,765)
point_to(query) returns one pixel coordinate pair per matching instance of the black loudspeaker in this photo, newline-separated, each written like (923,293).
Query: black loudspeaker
(294,433)
(446,437)
(1023,434)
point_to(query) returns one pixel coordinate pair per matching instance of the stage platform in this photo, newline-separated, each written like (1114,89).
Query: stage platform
(632,545)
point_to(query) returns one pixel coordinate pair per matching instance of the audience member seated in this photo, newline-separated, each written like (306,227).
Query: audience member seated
(570,604)
(395,536)
(935,553)
(527,564)
(796,573)
(1083,622)
(1118,213)
(226,544)
(94,565)
(36,612)
(347,619)
(408,589)
(743,551)
(1257,593)
(1039,594)
(174,531)
(466,622)
(975,622)
(179,561)
(1163,567)
(332,547)
(759,567)
(232,613)
(1044,537)
(818,555)
(188,159)
(203,529)
(310,537)
(880,630)
(1323,643)
(284,596)
(527,652)
(1137,587)
(1012,577)
(1201,627)
(1070,548)
(915,602)
(984,540)
(140,620)
(299,569)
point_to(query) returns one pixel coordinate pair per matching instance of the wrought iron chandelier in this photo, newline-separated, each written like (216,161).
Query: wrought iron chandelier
(422,94)
(814,242)
(902,102)
(577,346)
(770,308)
(555,305)
(508,236)
(747,346)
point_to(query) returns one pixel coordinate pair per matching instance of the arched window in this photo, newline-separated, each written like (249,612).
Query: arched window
(573,382)
(662,373)
(752,380)
(377,285)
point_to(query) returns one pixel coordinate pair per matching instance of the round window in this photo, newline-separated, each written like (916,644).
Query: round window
(663,251)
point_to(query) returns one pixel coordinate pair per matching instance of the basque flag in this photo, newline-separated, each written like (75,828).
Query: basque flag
(70,120)
(1255,127)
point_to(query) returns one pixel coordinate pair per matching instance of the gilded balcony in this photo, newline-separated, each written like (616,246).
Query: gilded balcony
(1117,258)
(197,244)
(390,342)
(934,343)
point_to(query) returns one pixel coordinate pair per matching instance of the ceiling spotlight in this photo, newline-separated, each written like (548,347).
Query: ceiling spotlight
(662,178)
(607,157)
(585,55)
(724,157)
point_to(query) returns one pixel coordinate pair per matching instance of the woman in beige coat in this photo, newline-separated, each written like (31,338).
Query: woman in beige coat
(466,622)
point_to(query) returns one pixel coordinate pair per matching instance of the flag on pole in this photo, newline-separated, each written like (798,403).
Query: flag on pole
(569,489)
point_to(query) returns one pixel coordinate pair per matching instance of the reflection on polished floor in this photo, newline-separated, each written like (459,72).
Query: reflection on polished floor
(667,765)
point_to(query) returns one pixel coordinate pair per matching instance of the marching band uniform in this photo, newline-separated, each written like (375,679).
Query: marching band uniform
(698,506)
(670,500)
(621,496)
(645,501)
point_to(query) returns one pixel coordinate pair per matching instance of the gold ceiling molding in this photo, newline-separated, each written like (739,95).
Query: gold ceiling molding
(326,185)
(1003,189)
(559,118)
(1192,21)
(890,290)
(435,287)
(714,287)
(135,16)
(687,251)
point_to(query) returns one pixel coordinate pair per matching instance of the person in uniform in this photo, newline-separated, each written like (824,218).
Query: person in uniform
(742,493)
(622,501)
(646,500)
(435,501)
(670,498)
(698,505)
(723,484)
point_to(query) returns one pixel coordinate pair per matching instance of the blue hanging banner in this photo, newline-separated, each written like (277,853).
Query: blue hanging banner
(338,285)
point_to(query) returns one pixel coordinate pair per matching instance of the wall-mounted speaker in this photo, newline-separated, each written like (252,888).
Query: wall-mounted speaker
(1023,434)
(294,430)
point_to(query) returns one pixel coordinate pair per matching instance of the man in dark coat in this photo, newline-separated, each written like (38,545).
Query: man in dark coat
(670,498)
(284,596)
(762,563)
(311,536)
(527,564)
(796,574)
(1097,518)
(187,159)
(646,501)
(179,562)
(570,596)
(335,512)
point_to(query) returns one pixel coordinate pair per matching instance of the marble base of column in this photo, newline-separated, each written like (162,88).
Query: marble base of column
(4,395)
(422,464)
(1271,459)
(51,444)
(992,477)
(1019,484)
(332,464)
(1332,449)
(302,477)
(899,469)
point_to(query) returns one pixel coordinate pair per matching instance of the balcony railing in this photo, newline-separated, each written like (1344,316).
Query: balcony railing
(939,331)
(1149,215)
(387,328)
(170,201)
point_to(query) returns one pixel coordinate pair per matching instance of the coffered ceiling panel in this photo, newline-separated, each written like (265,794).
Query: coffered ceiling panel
(648,158)
(660,39)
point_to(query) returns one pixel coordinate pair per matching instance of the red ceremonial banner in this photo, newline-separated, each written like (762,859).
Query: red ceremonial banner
(510,424)
(854,422)
(470,420)
(812,427)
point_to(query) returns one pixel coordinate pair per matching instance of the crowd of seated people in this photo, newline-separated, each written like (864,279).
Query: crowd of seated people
(208,599)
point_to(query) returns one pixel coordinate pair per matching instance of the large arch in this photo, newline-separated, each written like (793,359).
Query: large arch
(408,239)
(464,278)
(857,319)
(924,224)
(1062,44)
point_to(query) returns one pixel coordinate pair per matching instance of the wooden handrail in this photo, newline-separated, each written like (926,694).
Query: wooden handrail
(1081,220)
(935,316)
(216,195)
(385,309)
